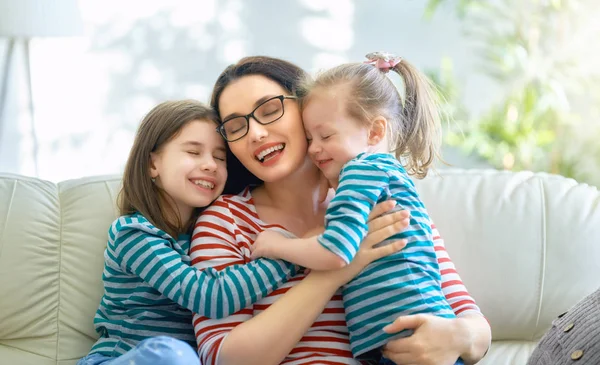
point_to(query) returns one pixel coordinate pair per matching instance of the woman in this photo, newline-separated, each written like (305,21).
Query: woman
(306,324)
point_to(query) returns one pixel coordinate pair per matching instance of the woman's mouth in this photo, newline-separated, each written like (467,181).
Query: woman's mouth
(269,153)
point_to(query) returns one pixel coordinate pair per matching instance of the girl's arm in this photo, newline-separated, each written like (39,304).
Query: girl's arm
(139,248)
(361,183)
(271,335)
(306,252)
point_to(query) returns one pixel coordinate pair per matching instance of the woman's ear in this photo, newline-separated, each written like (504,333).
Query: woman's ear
(377,130)
(153,163)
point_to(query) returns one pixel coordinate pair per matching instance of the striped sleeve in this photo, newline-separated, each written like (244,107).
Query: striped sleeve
(360,186)
(214,246)
(140,250)
(452,286)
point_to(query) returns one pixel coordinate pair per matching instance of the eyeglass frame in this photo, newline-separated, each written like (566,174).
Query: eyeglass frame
(281,98)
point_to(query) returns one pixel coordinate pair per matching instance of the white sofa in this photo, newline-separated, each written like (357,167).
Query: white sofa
(527,247)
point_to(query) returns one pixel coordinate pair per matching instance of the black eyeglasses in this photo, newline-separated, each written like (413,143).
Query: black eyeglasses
(269,111)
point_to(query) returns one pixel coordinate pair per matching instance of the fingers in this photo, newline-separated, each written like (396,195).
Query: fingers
(404,323)
(387,250)
(402,216)
(382,208)
(382,234)
(399,345)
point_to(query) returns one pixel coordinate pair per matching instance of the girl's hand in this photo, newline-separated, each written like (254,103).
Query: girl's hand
(380,229)
(263,246)
(435,341)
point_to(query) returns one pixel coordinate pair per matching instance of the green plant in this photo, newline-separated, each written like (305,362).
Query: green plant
(536,50)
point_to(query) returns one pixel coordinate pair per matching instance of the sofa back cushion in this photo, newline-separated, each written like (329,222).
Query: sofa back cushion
(52,240)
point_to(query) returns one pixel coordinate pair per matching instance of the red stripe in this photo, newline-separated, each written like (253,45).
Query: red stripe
(448,283)
(324,338)
(468,302)
(215,349)
(210,225)
(199,320)
(212,246)
(457,294)
(336,352)
(215,213)
(447,272)
(316,362)
(339,323)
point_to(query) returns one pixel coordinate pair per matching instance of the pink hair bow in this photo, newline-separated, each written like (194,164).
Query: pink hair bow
(382,60)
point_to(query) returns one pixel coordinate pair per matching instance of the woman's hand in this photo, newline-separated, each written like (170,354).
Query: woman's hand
(380,229)
(435,341)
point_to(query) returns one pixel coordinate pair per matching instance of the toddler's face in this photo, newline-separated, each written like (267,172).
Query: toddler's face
(334,137)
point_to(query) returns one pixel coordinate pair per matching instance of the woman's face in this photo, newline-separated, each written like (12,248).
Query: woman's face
(271,152)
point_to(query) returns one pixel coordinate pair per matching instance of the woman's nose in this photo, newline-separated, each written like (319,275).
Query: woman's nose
(256,131)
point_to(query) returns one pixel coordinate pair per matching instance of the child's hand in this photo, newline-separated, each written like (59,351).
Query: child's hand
(265,244)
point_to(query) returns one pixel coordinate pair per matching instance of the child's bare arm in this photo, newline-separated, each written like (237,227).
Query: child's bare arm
(306,252)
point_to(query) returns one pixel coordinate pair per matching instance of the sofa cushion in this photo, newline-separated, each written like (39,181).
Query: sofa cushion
(52,239)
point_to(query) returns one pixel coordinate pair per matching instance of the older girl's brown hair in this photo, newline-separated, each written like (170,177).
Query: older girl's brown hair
(139,193)
(413,117)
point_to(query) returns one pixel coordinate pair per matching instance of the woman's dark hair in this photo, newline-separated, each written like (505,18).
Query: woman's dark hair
(285,73)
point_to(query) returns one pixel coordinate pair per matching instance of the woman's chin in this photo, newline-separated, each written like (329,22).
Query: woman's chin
(283,169)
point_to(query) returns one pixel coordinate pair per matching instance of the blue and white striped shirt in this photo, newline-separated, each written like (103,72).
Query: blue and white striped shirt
(407,282)
(150,289)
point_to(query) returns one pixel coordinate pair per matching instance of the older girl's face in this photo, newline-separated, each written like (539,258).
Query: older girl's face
(273,151)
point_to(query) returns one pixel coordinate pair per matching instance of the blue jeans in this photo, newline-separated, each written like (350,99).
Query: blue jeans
(160,350)
(385,361)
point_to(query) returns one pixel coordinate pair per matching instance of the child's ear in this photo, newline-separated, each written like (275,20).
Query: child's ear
(153,169)
(377,130)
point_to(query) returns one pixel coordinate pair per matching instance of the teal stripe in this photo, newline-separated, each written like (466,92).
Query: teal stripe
(239,290)
(395,292)
(267,268)
(262,287)
(360,188)
(329,241)
(230,300)
(167,275)
(191,283)
(219,299)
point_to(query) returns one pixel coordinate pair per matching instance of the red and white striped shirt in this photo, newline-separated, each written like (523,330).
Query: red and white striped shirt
(222,237)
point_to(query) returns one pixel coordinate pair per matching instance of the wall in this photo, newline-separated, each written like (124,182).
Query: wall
(90,92)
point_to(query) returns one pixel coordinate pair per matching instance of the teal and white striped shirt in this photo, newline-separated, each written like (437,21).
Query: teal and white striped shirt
(150,289)
(407,282)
